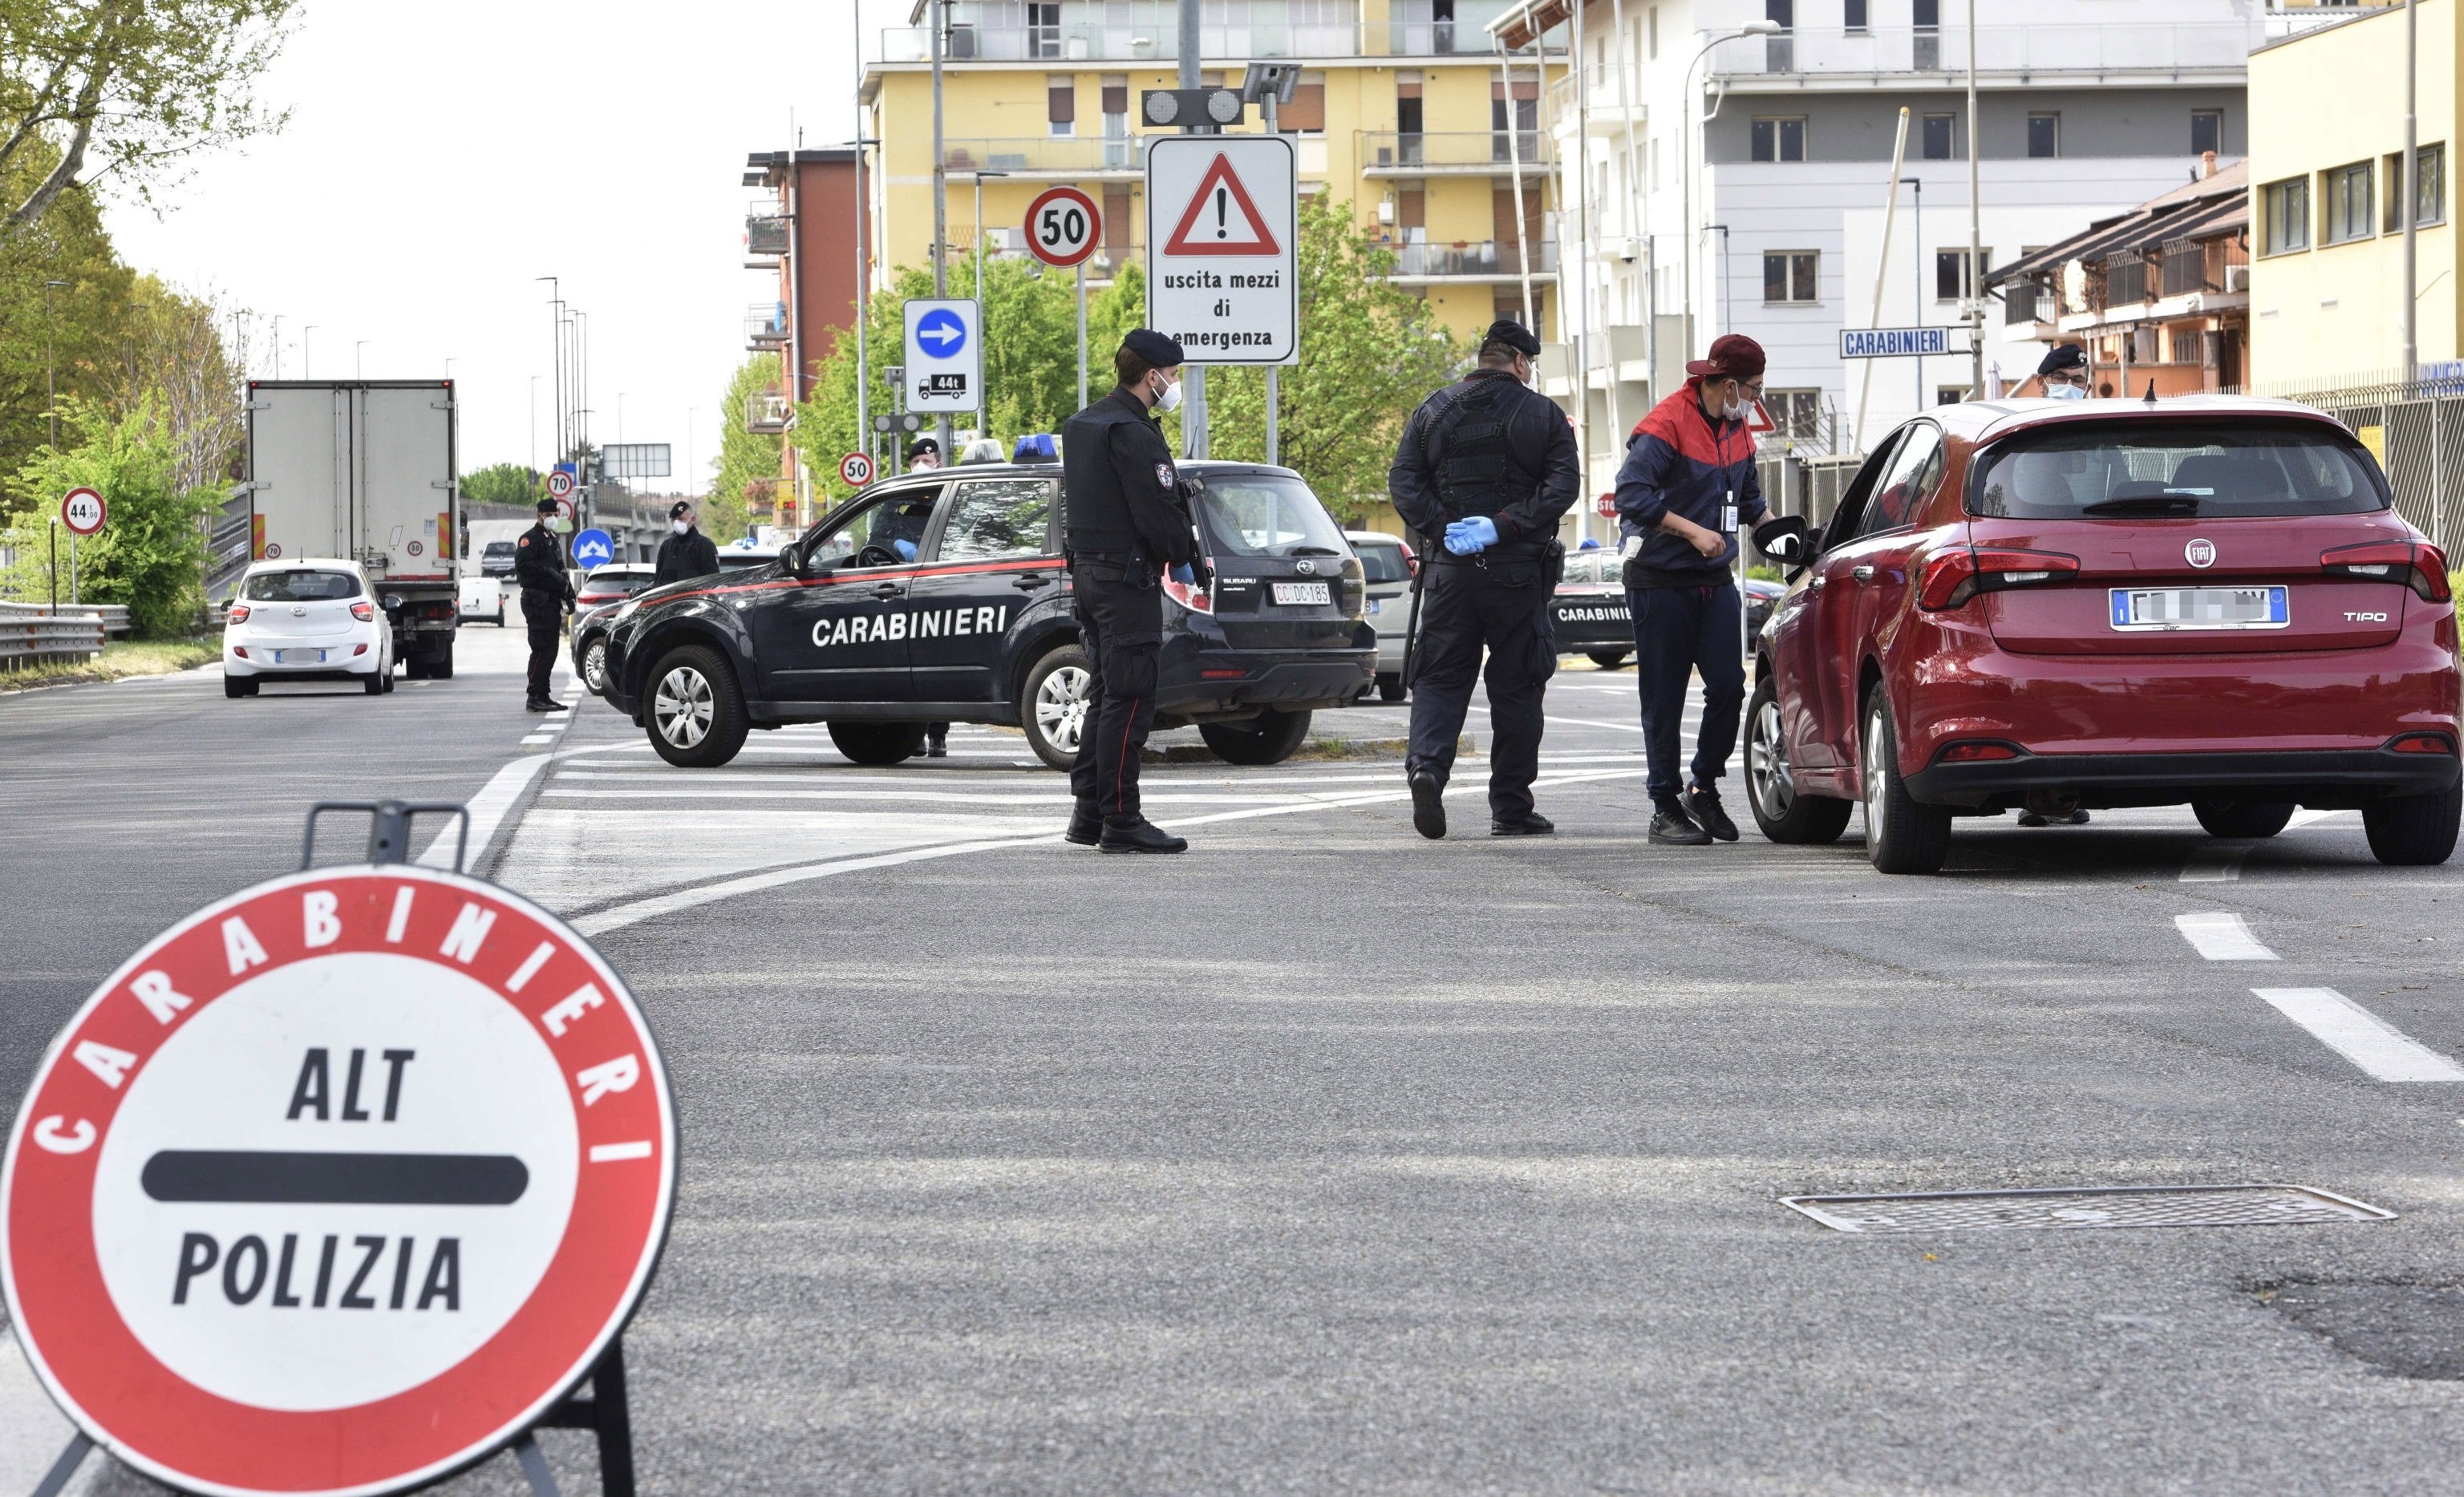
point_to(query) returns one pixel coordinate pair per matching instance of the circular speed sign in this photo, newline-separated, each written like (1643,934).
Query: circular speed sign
(855,470)
(1063,227)
(336,1186)
(81,509)
(560,484)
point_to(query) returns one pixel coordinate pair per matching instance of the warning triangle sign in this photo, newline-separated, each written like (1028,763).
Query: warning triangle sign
(1758,420)
(1221,219)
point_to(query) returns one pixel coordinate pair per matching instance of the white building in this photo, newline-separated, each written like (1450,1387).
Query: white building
(1776,149)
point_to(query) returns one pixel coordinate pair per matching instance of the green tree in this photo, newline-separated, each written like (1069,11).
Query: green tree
(126,90)
(80,338)
(748,461)
(511,485)
(151,554)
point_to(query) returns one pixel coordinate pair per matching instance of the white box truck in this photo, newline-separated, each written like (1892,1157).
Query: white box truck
(364,469)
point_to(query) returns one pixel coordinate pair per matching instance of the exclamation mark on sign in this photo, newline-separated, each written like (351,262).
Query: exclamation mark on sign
(1219,231)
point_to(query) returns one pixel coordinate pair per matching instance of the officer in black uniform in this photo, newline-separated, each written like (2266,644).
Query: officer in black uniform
(1489,464)
(687,552)
(1129,521)
(548,595)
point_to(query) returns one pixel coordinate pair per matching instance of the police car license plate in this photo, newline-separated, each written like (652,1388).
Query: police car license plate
(1302,593)
(2159,608)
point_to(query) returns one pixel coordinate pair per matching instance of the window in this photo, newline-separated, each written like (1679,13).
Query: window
(1949,283)
(2346,191)
(1936,135)
(1854,13)
(1779,53)
(1789,276)
(2185,343)
(1779,140)
(2044,135)
(2207,470)
(1061,104)
(884,533)
(992,519)
(2286,206)
(2430,204)
(1949,394)
(1926,55)
(1306,113)
(300,587)
(1044,28)
(1794,413)
(2207,130)
(1652,31)
(1915,466)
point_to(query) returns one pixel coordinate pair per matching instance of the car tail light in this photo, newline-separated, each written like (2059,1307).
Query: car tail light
(2415,563)
(1956,574)
(2422,743)
(238,612)
(1189,597)
(240,650)
(1975,753)
(363,612)
(358,650)
(593,599)
(1411,561)
(1222,675)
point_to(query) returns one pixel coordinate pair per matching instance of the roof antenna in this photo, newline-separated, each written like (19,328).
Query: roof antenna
(2151,389)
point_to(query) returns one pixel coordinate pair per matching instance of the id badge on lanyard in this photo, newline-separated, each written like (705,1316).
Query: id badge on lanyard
(1728,514)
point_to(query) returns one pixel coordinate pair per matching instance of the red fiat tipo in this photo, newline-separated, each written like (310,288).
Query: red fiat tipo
(2061,605)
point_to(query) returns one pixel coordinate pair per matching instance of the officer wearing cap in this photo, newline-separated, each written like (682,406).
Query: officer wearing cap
(686,552)
(923,453)
(1687,482)
(2061,375)
(1489,464)
(548,595)
(1128,522)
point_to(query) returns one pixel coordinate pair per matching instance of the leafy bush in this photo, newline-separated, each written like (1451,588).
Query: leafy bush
(150,556)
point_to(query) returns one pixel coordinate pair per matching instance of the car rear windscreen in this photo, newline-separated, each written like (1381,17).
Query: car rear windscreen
(738,560)
(607,580)
(1265,514)
(2158,469)
(1382,563)
(299,587)
(499,548)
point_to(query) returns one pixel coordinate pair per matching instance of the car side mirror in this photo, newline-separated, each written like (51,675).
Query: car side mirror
(1784,540)
(792,561)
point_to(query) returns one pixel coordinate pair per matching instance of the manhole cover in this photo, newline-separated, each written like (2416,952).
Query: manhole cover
(2119,1206)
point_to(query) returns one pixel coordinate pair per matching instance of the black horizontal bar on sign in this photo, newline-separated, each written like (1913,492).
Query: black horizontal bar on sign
(260,1176)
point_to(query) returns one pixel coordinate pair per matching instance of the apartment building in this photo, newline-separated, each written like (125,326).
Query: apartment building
(1403,109)
(1738,183)
(2326,172)
(799,234)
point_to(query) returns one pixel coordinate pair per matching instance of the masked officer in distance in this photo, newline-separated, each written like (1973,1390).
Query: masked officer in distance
(1129,521)
(1687,482)
(2062,375)
(686,552)
(1490,464)
(925,452)
(548,595)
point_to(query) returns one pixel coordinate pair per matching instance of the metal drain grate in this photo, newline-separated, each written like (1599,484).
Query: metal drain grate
(2102,1206)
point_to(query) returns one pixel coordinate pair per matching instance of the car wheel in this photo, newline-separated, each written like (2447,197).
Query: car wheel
(1052,704)
(1784,815)
(2412,830)
(385,674)
(237,687)
(878,743)
(375,685)
(594,666)
(1608,660)
(2223,817)
(440,665)
(696,710)
(1390,686)
(1269,738)
(1901,835)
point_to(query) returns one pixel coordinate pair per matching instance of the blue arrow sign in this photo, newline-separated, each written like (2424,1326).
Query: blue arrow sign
(593,548)
(943,332)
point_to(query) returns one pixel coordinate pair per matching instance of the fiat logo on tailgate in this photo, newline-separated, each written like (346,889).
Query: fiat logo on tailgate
(2200,554)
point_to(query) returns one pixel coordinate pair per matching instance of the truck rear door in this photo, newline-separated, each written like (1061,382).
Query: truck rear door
(299,464)
(404,467)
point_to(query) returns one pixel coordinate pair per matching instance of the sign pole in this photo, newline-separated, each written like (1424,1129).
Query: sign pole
(56,565)
(73,570)
(1882,268)
(1082,335)
(1193,376)
(1274,384)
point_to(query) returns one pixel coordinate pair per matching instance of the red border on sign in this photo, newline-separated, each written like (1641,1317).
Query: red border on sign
(1094,226)
(850,479)
(1262,238)
(102,512)
(113,1387)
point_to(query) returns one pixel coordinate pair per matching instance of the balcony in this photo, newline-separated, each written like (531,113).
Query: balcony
(1072,157)
(1481,260)
(768,413)
(1149,30)
(765,324)
(765,228)
(1470,152)
(1798,59)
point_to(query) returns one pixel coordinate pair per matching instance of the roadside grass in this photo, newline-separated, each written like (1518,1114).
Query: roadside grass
(129,658)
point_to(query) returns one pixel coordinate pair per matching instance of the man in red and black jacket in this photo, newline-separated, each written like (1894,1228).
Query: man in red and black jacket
(1687,486)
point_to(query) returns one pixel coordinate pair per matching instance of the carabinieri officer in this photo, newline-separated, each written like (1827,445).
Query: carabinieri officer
(1129,521)
(547,593)
(1489,462)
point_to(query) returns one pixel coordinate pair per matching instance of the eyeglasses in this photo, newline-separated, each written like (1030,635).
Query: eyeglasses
(2067,377)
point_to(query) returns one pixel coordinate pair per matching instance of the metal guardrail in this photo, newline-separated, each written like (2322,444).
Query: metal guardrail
(31,632)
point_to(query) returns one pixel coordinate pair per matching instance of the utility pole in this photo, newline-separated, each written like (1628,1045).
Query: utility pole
(1975,287)
(556,356)
(863,252)
(1193,376)
(277,345)
(2412,194)
(52,409)
(940,18)
(1637,204)
(307,364)
(1589,449)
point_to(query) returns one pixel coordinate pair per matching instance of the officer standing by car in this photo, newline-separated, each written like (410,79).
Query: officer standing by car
(1128,520)
(686,552)
(1687,482)
(547,597)
(1490,464)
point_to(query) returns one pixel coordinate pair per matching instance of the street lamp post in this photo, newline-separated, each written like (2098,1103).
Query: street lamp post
(52,409)
(983,248)
(277,345)
(555,351)
(307,363)
(1690,148)
(358,370)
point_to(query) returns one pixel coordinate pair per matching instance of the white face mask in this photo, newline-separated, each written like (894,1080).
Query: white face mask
(2065,392)
(679,525)
(1169,399)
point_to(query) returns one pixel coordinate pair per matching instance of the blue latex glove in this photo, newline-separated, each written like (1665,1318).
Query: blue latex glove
(1184,574)
(906,549)
(1469,538)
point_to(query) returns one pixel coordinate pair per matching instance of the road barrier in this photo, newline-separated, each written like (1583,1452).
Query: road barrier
(34,632)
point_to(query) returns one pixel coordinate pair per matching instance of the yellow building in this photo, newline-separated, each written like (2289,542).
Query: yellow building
(2326,172)
(1402,108)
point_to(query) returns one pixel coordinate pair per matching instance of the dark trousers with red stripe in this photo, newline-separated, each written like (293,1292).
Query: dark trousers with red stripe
(1120,624)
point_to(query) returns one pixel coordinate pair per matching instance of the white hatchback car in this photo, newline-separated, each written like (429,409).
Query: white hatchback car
(309,619)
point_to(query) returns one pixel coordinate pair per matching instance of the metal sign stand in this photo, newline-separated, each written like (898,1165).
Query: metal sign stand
(606,1413)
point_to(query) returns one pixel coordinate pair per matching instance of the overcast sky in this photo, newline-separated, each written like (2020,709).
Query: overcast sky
(439,156)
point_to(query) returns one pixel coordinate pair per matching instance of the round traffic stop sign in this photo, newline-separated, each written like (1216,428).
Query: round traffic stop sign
(1063,226)
(855,470)
(83,511)
(336,1186)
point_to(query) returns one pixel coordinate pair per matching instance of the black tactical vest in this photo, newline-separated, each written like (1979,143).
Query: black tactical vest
(1478,474)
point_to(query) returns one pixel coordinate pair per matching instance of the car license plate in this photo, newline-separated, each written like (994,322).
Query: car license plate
(1302,593)
(2157,608)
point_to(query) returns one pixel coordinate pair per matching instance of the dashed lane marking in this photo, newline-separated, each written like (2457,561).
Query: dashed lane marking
(2360,1035)
(2221,936)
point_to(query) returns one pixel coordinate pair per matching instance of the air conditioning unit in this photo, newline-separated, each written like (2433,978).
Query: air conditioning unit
(2236,278)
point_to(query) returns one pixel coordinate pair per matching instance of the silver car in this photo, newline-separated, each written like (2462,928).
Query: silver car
(1388,566)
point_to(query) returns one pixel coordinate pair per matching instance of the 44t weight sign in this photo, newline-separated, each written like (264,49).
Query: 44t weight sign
(336,1186)
(1063,227)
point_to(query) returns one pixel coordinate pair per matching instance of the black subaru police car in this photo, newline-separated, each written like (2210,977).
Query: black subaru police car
(943,596)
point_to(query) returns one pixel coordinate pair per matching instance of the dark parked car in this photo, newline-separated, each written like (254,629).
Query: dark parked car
(1592,617)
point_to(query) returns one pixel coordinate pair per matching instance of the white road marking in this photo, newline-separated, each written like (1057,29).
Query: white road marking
(2220,936)
(488,810)
(2360,1035)
(535,739)
(2304,818)
(2215,864)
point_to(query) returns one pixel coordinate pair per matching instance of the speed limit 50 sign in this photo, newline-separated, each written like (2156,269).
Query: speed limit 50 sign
(1063,227)
(336,1186)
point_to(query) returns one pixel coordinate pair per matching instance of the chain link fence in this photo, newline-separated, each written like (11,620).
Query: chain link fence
(2414,428)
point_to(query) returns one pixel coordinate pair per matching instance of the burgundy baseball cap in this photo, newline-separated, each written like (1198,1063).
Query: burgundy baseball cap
(1733,357)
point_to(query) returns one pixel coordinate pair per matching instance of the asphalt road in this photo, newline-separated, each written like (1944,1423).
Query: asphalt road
(1328,1159)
